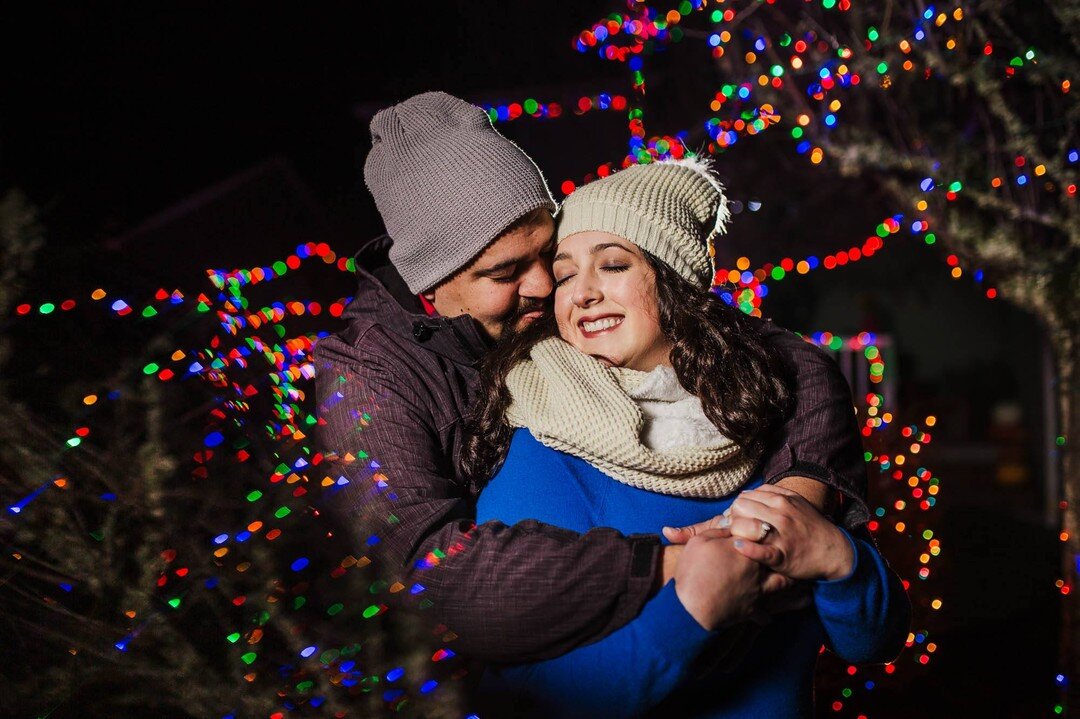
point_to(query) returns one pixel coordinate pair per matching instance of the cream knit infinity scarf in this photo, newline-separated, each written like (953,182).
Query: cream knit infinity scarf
(573,403)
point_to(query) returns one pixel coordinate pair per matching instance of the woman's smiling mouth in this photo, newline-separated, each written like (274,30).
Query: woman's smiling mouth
(601,325)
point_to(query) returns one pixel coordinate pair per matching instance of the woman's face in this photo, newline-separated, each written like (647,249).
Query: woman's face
(605,301)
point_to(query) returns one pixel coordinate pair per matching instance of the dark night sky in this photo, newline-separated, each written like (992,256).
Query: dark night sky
(112,112)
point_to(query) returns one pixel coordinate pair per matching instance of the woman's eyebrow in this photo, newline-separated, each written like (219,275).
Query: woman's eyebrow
(605,245)
(595,248)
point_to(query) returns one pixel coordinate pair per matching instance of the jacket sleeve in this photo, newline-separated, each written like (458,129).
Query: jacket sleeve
(820,439)
(511,594)
(866,615)
(622,675)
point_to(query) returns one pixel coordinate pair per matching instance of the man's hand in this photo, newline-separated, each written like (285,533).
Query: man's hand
(717,585)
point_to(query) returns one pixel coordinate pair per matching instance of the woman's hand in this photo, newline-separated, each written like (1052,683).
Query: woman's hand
(784,532)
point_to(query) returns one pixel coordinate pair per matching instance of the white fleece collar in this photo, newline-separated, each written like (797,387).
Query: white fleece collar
(673,417)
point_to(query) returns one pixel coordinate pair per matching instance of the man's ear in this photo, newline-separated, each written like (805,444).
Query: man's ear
(429,295)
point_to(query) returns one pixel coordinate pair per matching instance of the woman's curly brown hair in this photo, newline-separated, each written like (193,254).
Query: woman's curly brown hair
(718,354)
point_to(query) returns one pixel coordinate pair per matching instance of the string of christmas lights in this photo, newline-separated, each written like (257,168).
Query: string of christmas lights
(914,492)
(823,69)
(242,366)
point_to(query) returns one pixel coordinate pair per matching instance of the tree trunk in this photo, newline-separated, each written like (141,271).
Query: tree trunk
(1066,355)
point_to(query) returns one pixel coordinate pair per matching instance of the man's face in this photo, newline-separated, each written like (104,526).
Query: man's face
(507,284)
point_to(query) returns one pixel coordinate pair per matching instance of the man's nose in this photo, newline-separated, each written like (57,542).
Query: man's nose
(537,282)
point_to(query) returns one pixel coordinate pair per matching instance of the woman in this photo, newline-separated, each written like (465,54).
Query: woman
(645,401)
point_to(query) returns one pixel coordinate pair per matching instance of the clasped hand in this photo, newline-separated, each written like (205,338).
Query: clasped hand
(748,560)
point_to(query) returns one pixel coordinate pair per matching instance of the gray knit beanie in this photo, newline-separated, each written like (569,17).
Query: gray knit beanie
(446,184)
(673,209)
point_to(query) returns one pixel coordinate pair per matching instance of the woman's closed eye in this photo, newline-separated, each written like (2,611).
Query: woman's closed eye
(606,268)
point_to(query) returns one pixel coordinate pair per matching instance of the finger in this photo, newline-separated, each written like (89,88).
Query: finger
(751,529)
(682,535)
(777,489)
(677,535)
(770,499)
(775,584)
(745,506)
(788,495)
(714,533)
(767,554)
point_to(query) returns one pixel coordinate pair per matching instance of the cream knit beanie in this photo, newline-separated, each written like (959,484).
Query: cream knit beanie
(673,209)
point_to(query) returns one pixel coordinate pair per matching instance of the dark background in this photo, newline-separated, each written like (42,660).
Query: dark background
(160,139)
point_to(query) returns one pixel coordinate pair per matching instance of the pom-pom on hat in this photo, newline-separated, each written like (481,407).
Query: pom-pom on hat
(673,209)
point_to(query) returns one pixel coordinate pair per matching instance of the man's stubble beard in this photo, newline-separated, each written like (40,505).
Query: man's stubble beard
(513,322)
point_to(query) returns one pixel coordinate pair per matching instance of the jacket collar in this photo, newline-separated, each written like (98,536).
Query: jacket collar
(383,298)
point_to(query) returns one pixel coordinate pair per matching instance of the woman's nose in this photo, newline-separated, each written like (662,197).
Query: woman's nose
(586,292)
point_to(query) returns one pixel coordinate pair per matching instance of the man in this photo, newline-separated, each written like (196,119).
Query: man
(467,258)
